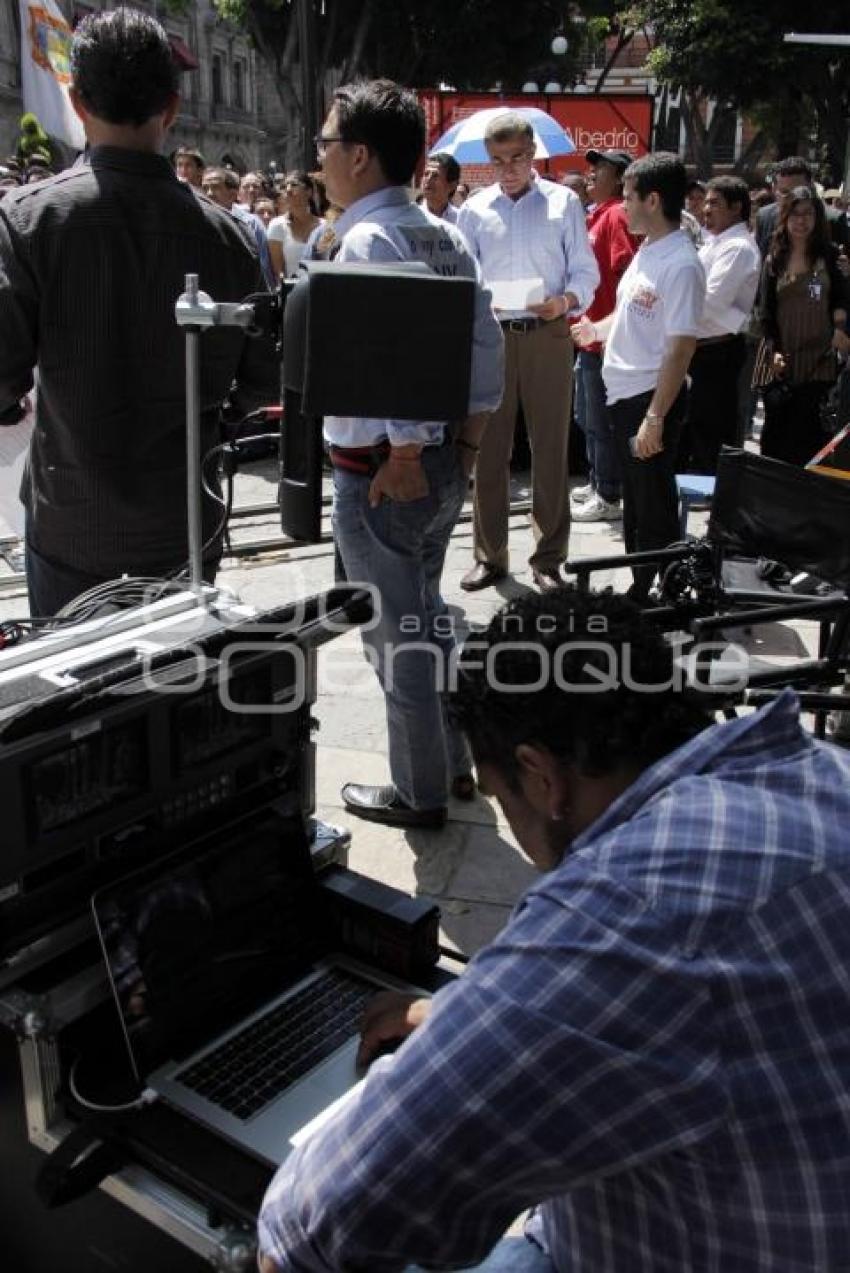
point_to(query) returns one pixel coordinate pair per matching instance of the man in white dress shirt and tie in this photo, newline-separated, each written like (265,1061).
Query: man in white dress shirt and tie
(732,265)
(524,227)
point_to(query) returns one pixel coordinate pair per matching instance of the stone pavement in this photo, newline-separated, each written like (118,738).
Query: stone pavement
(473,869)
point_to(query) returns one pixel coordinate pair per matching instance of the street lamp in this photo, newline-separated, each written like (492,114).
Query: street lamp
(559,45)
(808,37)
(531,86)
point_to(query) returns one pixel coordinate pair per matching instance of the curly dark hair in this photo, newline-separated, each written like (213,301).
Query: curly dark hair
(819,243)
(582,674)
(122,66)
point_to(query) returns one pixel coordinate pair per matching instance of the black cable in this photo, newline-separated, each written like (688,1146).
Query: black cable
(227,504)
(457,955)
(123,593)
(223,448)
(229,450)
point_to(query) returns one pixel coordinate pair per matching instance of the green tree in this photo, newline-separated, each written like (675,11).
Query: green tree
(732,53)
(472,45)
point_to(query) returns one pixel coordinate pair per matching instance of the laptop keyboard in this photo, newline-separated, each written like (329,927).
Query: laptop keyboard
(254,1066)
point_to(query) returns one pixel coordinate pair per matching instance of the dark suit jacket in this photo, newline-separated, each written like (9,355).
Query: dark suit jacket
(91,264)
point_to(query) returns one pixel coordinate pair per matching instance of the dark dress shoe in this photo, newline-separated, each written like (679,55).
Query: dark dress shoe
(482,575)
(547,578)
(464,787)
(383,804)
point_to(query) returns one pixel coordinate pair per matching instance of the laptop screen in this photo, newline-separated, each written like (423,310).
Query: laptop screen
(194,946)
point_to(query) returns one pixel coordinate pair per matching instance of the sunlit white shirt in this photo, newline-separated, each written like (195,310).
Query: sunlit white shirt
(732,265)
(540,235)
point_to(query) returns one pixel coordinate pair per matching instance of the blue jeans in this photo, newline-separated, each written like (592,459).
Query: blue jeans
(593,420)
(400,549)
(511,1255)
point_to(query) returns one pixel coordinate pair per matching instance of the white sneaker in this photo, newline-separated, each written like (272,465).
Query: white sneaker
(582,494)
(598,509)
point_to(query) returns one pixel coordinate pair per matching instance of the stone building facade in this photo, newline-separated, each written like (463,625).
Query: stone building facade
(10,75)
(222,107)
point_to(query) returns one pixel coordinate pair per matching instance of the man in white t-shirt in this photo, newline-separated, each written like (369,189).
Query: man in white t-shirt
(649,342)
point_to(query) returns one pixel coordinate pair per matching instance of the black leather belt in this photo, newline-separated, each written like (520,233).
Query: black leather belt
(719,340)
(521,324)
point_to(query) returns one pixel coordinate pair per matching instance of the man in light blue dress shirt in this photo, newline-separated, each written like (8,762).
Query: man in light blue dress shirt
(526,228)
(222,186)
(399,485)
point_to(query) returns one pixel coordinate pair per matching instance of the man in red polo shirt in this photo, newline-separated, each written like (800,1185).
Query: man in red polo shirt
(613,247)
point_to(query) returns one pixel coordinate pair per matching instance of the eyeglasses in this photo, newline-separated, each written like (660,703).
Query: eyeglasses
(321,143)
(513,161)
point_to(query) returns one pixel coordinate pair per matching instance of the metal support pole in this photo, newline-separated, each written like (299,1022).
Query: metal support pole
(195,311)
(193,443)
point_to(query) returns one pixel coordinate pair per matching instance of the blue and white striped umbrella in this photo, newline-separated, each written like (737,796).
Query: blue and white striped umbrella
(465,139)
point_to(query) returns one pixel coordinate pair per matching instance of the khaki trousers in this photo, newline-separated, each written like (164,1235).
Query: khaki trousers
(539,374)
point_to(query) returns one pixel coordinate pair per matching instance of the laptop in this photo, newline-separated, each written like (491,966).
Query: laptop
(234,1009)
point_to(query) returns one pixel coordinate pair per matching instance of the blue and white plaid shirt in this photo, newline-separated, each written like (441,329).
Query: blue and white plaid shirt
(542,234)
(656,1048)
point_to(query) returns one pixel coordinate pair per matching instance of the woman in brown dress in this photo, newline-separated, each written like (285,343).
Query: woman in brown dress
(804,319)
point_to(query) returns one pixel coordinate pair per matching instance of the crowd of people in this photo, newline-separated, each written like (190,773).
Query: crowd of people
(653,1055)
(655,306)
(753,340)
(773,326)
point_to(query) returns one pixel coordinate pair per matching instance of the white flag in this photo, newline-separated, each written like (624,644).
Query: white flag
(46,70)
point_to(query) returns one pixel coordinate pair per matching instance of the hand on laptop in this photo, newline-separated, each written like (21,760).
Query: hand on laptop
(389,1018)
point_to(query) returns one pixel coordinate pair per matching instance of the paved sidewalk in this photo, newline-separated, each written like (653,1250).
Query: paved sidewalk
(473,869)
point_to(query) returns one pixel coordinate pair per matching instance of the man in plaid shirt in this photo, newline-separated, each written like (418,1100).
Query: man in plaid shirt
(655,1051)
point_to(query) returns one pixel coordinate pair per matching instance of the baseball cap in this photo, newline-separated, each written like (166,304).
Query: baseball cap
(619,159)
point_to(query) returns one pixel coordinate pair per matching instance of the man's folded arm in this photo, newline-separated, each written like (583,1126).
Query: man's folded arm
(18,324)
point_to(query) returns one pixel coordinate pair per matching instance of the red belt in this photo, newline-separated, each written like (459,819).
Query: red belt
(364,460)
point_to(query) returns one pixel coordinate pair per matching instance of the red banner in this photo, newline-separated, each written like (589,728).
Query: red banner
(615,121)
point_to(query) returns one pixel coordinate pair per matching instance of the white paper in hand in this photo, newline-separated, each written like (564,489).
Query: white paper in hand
(516,293)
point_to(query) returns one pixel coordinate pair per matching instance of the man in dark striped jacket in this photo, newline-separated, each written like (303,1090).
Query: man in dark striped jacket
(91,264)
